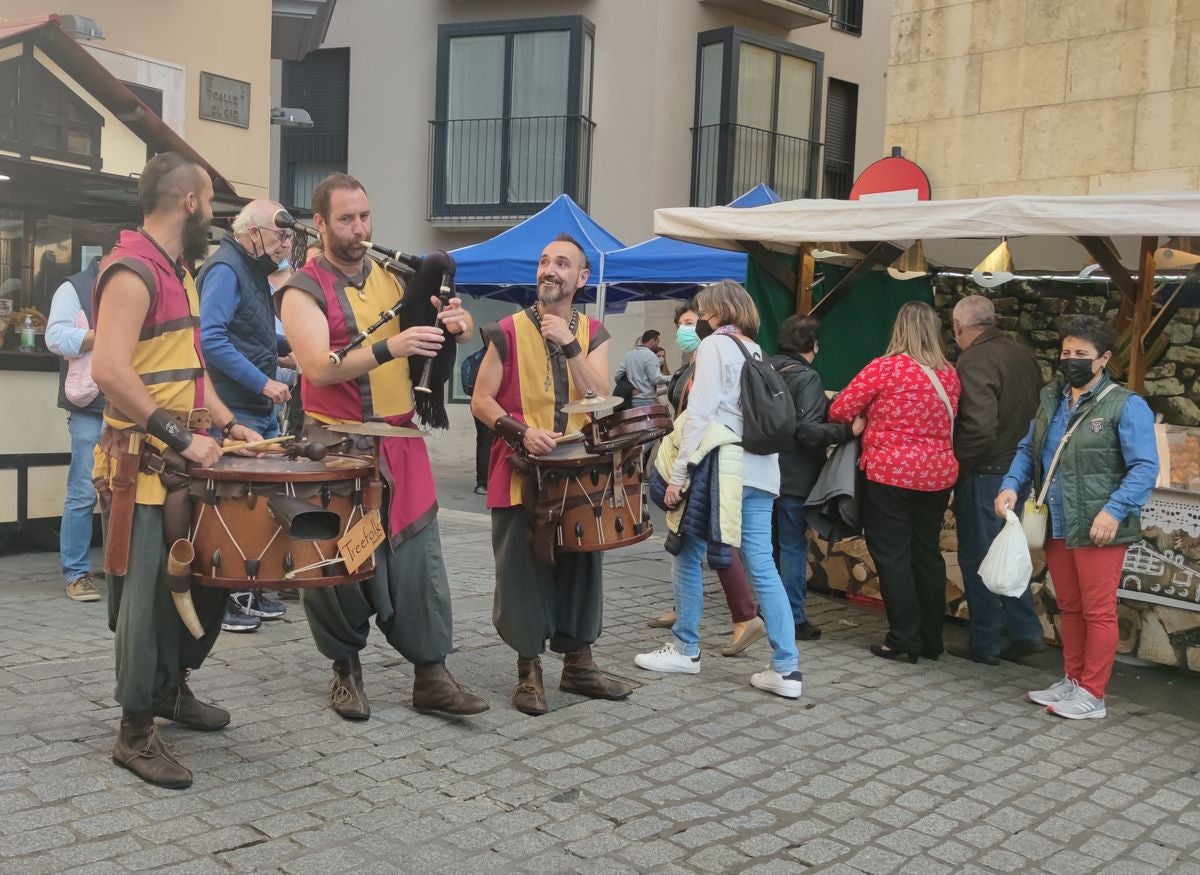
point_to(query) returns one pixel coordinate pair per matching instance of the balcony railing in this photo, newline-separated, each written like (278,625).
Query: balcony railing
(507,168)
(729,159)
(839,178)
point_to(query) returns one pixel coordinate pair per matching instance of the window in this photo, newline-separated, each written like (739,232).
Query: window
(847,16)
(40,115)
(841,121)
(320,84)
(153,98)
(513,128)
(757,115)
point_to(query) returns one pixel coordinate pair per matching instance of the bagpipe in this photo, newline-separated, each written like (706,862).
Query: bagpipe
(424,277)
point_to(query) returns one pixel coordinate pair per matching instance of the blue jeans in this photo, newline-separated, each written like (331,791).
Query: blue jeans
(764,578)
(793,552)
(75,534)
(978,525)
(264,422)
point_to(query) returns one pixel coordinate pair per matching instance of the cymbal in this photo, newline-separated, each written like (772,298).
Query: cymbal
(373,429)
(590,404)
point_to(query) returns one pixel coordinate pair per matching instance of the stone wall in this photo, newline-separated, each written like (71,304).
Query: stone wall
(1030,312)
(997,97)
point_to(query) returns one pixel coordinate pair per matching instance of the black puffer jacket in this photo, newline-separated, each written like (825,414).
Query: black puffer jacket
(799,467)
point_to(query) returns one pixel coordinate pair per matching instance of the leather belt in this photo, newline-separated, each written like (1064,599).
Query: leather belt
(196,419)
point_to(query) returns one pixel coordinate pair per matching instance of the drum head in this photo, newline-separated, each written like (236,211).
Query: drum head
(567,455)
(270,469)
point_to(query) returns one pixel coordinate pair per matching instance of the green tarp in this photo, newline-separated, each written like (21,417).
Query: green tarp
(853,332)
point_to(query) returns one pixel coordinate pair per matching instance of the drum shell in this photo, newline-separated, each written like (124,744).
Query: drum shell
(632,427)
(571,496)
(239,491)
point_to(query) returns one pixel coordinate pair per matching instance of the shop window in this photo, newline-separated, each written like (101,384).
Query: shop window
(757,117)
(513,128)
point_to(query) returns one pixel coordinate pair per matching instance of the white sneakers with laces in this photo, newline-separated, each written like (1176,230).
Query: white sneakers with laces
(787,685)
(1082,705)
(670,659)
(1057,692)
(1067,699)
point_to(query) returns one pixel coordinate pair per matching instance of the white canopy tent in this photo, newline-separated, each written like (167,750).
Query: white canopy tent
(957,233)
(1044,233)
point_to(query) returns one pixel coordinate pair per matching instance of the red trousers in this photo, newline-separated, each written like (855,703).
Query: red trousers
(1086,581)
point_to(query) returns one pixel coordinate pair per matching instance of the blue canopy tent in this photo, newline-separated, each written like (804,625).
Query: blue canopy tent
(505,267)
(662,267)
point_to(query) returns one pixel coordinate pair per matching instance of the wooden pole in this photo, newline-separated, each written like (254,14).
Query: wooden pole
(1141,315)
(804,279)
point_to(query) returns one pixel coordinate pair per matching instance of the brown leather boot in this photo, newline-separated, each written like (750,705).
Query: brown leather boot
(580,675)
(346,690)
(435,689)
(180,704)
(140,750)
(529,697)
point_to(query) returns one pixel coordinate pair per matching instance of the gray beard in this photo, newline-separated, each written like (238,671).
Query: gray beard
(549,295)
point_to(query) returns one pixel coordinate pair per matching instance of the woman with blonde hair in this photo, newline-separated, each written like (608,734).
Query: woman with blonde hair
(908,399)
(708,458)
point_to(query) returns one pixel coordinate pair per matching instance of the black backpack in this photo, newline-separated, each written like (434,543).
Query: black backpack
(768,412)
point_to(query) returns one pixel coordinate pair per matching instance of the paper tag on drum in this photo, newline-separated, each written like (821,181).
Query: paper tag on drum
(360,541)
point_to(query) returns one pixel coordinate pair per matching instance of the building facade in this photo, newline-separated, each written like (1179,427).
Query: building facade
(85,100)
(995,97)
(462,118)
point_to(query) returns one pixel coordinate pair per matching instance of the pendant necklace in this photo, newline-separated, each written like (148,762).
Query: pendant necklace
(553,349)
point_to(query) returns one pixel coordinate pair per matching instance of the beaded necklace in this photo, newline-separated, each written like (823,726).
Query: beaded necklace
(552,349)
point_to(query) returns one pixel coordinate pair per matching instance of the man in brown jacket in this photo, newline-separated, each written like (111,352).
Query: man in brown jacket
(1000,383)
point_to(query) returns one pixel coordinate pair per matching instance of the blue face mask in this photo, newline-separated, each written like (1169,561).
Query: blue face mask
(686,337)
(285,264)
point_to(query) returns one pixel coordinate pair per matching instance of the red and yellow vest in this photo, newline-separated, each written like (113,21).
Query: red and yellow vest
(351,304)
(533,388)
(167,356)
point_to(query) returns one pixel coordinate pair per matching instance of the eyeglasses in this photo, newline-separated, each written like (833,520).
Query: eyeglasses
(285,235)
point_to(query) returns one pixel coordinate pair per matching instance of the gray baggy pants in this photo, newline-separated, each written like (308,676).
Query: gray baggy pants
(152,645)
(535,603)
(409,597)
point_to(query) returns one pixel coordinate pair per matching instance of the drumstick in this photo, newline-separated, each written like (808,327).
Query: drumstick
(568,437)
(254,445)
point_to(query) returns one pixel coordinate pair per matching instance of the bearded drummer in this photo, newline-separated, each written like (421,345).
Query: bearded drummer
(147,361)
(538,360)
(331,298)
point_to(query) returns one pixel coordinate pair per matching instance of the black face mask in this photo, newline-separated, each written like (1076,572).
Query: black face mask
(703,329)
(1077,372)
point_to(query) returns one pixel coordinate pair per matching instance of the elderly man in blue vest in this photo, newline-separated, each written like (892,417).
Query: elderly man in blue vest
(69,334)
(242,350)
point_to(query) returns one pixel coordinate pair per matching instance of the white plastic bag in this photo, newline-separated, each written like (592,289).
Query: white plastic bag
(1007,567)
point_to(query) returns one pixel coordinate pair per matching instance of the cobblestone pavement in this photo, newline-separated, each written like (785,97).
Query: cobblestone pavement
(880,767)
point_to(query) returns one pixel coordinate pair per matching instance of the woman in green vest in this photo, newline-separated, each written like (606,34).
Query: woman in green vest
(1103,435)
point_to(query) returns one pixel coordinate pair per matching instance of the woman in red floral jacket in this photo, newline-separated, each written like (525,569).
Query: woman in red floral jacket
(908,459)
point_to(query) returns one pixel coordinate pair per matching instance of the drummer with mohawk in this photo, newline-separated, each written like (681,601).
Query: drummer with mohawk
(323,305)
(537,361)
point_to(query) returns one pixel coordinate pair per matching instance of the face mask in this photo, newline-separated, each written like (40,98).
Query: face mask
(284,265)
(685,336)
(703,329)
(1077,372)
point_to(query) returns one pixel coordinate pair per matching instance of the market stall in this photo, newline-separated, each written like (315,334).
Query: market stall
(1129,244)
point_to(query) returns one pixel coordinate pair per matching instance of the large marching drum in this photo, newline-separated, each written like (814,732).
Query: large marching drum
(591,492)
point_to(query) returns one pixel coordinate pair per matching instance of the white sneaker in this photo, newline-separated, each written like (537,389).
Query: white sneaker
(668,658)
(1081,706)
(1058,692)
(786,685)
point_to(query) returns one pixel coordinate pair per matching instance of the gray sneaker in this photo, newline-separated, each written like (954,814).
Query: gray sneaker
(1081,706)
(1058,692)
